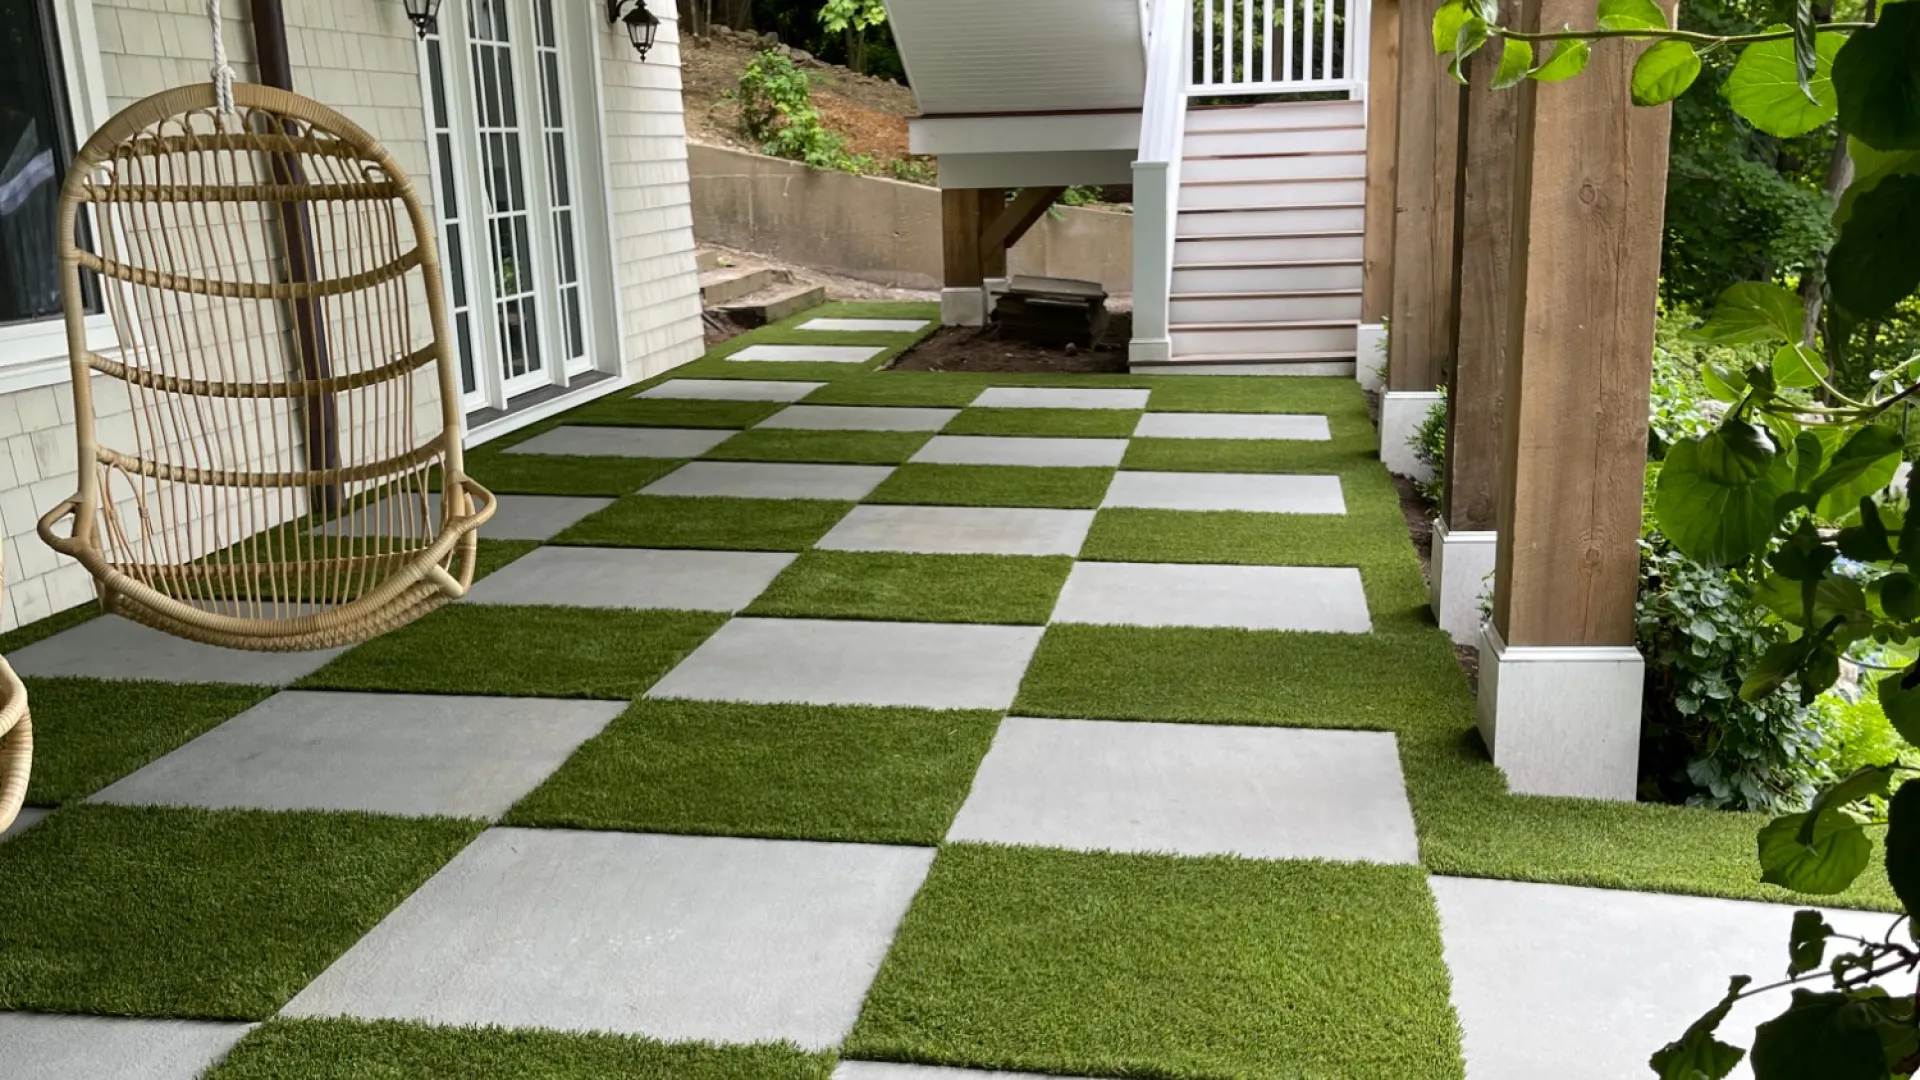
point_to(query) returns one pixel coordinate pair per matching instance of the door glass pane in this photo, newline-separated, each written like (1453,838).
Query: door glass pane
(506,208)
(453,224)
(559,180)
(35,146)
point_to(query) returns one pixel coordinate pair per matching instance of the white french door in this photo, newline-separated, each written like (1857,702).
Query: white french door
(506,124)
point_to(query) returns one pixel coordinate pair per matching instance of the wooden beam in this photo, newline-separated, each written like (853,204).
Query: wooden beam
(960,237)
(993,257)
(1589,201)
(1023,213)
(1426,151)
(1476,382)
(1383,114)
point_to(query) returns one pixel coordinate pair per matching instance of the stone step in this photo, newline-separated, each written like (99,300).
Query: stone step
(774,303)
(705,259)
(727,284)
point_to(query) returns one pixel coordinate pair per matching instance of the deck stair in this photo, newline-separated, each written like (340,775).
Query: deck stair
(1268,241)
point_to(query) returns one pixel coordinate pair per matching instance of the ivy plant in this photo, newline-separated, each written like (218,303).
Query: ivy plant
(1795,484)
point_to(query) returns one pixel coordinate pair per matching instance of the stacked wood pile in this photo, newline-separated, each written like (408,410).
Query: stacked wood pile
(1052,311)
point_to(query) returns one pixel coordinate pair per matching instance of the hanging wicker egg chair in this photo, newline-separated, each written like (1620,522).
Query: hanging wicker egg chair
(16,745)
(259,456)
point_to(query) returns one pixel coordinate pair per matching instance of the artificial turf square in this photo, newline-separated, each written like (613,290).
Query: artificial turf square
(90,732)
(519,651)
(1183,674)
(622,411)
(1147,965)
(994,485)
(1076,423)
(494,554)
(831,447)
(558,474)
(142,911)
(801,772)
(344,1049)
(720,524)
(1003,589)
(901,388)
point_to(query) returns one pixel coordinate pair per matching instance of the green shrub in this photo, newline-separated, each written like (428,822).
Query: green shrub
(1429,442)
(776,111)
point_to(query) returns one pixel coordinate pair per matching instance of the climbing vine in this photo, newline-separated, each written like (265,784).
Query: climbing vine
(1794,485)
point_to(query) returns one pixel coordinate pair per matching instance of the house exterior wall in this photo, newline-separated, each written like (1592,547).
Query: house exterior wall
(361,58)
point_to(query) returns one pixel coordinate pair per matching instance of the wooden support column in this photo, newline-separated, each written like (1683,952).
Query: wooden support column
(993,255)
(1464,536)
(1560,680)
(962,301)
(1383,115)
(1427,135)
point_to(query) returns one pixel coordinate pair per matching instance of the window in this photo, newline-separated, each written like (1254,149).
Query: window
(36,143)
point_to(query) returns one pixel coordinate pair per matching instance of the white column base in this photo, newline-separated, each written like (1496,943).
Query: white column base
(1562,720)
(1370,359)
(1462,563)
(963,307)
(1401,414)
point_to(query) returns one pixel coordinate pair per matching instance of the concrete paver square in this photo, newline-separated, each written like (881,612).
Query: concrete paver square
(1014,450)
(1191,789)
(1585,984)
(40,1046)
(111,647)
(1329,599)
(672,937)
(1258,493)
(27,818)
(519,517)
(770,480)
(633,578)
(816,354)
(960,530)
(1062,397)
(632,442)
(1233,426)
(824,662)
(886,1070)
(732,389)
(859,418)
(875,326)
(416,755)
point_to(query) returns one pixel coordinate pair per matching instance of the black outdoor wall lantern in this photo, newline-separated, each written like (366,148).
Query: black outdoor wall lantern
(642,24)
(425,16)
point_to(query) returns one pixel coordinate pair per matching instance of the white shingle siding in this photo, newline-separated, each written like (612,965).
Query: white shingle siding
(360,57)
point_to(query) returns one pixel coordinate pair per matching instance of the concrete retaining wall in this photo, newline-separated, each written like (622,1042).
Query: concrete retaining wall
(883,231)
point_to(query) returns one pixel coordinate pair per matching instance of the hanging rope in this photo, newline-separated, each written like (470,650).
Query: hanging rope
(221,72)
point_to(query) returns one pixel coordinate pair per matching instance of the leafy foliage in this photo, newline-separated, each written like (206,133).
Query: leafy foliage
(1791,487)
(1429,444)
(776,110)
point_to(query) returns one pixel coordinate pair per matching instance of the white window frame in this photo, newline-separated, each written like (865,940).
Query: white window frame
(34,354)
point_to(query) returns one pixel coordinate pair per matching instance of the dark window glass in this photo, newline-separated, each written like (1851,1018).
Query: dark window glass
(36,143)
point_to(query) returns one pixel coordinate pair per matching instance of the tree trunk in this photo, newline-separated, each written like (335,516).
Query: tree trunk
(1813,280)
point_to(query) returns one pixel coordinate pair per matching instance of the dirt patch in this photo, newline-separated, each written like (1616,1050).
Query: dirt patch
(1419,514)
(973,348)
(870,113)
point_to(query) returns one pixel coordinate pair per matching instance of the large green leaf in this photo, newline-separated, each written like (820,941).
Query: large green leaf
(1901,703)
(1664,72)
(1869,782)
(1820,1037)
(1870,167)
(1863,465)
(1781,661)
(1797,367)
(1569,59)
(1833,598)
(1877,80)
(1735,453)
(1631,15)
(1807,946)
(1876,262)
(1516,59)
(1753,313)
(1713,522)
(1900,597)
(1446,26)
(1838,854)
(1764,87)
(1697,1055)
(1903,844)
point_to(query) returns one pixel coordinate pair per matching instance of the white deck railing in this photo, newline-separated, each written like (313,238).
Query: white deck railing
(1280,47)
(1156,176)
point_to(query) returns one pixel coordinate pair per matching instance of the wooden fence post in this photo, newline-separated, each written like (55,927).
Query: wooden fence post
(1560,680)
(1383,115)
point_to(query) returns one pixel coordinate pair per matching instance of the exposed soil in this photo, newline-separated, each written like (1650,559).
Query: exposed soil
(973,348)
(870,113)
(1419,515)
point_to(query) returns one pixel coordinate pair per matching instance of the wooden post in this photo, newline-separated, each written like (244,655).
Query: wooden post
(1383,114)
(1427,149)
(993,253)
(1464,537)
(962,302)
(1560,680)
